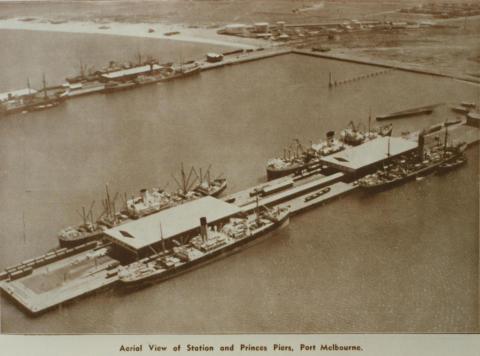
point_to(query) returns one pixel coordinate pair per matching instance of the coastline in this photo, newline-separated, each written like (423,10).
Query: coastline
(196,35)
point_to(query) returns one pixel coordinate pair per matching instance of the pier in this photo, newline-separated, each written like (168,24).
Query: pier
(386,64)
(63,275)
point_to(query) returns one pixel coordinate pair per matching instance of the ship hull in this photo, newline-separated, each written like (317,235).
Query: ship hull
(204,260)
(413,175)
(69,243)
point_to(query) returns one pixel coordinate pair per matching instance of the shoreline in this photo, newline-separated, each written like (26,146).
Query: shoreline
(141,30)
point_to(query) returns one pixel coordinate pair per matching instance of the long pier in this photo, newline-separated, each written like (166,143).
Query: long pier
(386,64)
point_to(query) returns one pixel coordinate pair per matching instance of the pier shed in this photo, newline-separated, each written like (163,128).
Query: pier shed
(359,159)
(132,73)
(138,238)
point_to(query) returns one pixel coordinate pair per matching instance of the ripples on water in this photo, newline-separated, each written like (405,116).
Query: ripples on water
(402,260)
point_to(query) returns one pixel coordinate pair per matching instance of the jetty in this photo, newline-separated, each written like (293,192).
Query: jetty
(62,275)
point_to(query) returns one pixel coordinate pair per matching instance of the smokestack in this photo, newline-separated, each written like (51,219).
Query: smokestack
(203,228)
(330,136)
(143,194)
(421,144)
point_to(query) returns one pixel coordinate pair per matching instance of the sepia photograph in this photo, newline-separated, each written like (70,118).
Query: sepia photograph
(198,167)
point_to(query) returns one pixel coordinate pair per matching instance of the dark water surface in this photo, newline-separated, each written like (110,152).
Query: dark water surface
(405,260)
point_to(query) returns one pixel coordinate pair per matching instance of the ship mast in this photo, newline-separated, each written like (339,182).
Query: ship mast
(161,238)
(44,87)
(369,120)
(445,143)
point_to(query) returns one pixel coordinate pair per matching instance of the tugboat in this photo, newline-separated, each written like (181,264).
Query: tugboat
(212,243)
(415,165)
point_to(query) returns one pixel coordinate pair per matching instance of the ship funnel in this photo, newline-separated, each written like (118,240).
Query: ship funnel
(203,228)
(421,144)
(143,194)
(330,136)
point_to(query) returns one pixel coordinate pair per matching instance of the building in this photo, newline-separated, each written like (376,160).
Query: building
(260,27)
(140,238)
(131,73)
(473,119)
(360,159)
(234,29)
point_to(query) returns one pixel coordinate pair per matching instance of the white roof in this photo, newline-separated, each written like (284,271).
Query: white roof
(130,71)
(235,25)
(370,152)
(174,221)
(20,92)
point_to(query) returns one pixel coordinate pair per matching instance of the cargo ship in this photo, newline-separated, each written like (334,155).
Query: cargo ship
(296,159)
(146,203)
(27,100)
(415,165)
(212,243)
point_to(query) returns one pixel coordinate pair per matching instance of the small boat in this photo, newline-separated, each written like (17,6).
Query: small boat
(460,109)
(423,110)
(452,122)
(172,33)
(467,104)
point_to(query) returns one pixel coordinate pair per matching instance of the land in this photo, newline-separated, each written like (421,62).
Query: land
(450,45)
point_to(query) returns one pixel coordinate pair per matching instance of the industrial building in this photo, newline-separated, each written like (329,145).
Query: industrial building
(139,238)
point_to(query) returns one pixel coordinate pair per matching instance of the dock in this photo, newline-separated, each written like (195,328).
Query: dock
(386,64)
(63,275)
(66,279)
(245,57)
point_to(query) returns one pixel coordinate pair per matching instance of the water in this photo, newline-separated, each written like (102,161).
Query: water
(405,260)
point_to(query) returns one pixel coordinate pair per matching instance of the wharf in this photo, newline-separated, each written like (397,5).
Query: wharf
(386,64)
(246,199)
(245,57)
(84,271)
(307,201)
(456,133)
(61,281)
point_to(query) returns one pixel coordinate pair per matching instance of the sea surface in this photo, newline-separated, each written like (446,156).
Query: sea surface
(405,260)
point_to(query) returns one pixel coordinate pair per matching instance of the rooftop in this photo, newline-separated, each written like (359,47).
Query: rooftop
(131,71)
(369,153)
(174,221)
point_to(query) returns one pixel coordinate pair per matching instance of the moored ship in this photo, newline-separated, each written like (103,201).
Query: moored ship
(212,243)
(297,159)
(415,165)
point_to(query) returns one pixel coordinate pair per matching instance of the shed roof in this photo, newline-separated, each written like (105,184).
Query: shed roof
(131,71)
(174,221)
(369,153)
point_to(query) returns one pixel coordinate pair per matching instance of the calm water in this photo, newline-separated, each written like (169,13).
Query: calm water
(405,260)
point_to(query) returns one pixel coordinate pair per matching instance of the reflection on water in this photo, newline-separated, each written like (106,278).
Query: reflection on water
(402,260)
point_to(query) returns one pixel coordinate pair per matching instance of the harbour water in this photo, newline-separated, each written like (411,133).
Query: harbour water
(405,260)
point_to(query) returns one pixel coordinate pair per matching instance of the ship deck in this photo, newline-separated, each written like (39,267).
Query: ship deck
(60,281)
